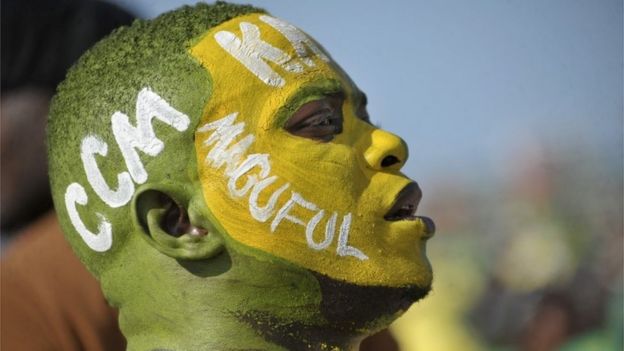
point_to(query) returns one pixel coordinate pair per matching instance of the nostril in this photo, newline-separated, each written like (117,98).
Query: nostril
(389,161)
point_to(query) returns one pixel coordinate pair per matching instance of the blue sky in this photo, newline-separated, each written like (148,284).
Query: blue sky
(468,83)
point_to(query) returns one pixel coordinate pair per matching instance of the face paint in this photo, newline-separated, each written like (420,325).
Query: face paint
(130,139)
(320,205)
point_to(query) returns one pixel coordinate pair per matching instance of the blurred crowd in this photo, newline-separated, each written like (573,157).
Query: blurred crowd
(532,261)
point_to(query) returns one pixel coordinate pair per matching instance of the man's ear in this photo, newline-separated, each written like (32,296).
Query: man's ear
(174,223)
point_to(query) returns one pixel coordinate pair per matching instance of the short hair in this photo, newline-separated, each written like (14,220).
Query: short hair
(145,65)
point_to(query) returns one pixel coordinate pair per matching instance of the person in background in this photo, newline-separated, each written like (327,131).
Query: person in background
(41,39)
(49,301)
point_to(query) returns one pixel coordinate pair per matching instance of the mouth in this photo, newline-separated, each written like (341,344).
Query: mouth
(406,205)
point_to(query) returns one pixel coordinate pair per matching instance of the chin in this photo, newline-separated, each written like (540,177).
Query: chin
(350,311)
(350,306)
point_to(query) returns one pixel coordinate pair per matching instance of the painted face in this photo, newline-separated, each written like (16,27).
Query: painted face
(290,165)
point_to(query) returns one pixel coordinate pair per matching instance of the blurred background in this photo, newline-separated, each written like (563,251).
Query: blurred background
(513,113)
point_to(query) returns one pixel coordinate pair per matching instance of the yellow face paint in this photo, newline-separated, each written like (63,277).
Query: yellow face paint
(317,204)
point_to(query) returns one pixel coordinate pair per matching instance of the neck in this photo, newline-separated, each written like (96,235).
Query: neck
(245,302)
(253,331)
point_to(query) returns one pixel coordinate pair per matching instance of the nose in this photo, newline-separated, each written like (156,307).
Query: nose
(386,152)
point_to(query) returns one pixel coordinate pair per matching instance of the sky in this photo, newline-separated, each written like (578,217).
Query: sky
(469,83)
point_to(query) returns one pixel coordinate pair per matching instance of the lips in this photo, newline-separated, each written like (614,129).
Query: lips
(405,206)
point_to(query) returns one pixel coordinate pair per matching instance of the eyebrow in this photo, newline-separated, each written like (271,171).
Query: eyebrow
(338,94)
(313,90)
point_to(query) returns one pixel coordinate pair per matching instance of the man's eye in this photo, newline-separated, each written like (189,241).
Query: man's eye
(319,119)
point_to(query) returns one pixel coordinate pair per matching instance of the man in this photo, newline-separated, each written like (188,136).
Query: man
(217,172)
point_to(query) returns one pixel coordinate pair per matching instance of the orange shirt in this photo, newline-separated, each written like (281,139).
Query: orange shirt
(49,301)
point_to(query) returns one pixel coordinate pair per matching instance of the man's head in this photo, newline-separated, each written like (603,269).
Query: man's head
(216,162)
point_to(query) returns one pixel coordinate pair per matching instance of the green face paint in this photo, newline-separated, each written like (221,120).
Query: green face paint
(146,122)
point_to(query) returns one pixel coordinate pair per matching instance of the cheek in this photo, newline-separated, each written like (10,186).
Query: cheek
(330,174)
(315,205)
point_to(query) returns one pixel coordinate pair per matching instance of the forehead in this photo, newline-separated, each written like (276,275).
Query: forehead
(262,62)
